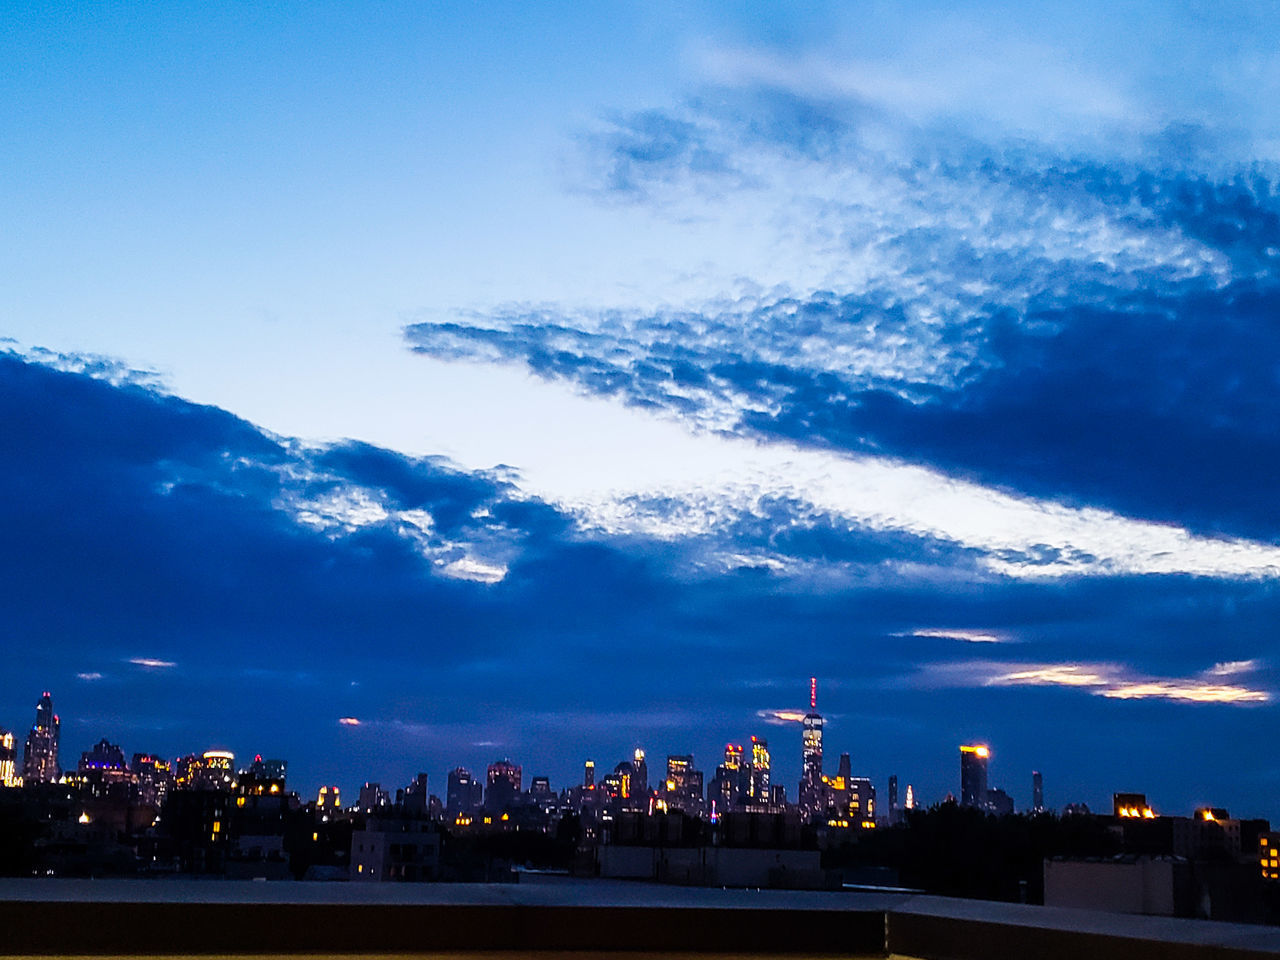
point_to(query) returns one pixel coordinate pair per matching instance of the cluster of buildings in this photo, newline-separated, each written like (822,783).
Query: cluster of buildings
(205,813)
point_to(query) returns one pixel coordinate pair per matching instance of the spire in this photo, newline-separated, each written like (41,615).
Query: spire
(813,694)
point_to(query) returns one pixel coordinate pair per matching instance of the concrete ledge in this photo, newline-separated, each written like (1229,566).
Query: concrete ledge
(960,938)
(115,929)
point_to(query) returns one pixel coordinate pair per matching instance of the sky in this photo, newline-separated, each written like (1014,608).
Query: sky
(396,387)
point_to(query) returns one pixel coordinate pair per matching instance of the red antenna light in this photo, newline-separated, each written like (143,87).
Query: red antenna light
(813,693)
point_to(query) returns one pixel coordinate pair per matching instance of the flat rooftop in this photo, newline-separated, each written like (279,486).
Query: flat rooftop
(557,916)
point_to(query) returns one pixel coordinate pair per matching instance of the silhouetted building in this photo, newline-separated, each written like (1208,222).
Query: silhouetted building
(1037,792)
(973,775)
(417,798)
(589,774)
(999,802)
(395,849)
(263,777)
(502,785)
(40,756)
(373,798)
(462,795)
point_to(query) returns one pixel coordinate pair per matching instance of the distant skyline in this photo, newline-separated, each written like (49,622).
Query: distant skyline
(544,381)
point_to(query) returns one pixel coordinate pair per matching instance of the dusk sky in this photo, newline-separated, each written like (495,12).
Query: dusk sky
(547,380)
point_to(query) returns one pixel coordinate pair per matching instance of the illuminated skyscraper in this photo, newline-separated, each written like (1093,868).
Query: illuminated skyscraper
(639,775)
(8,761)
(758,784)
(811,786)
(589,774)
(216,770)
(40,757)
(973,775)
(730,778)
(684,784)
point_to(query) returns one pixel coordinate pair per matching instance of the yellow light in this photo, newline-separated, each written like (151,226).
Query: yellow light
(506,816)
(239,801)
(1208,815)
(315,837)
(217,826)
(488,819)
(84,817)
(360,868)
(1148,813)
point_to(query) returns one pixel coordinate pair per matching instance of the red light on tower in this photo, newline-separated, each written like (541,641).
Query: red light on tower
(813,694)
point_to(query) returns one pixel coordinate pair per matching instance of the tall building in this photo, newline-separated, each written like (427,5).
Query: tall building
(758,784)
(730,778)
(8,761)
(911,798)
(973,775)
(373,798)
(893,798)
(1037,792)
(417,798)
(462,794)
(215,770)
(683,785)
(639,775)
(40,756)
(502,786)
(152,777)
(589,774)
(810,795)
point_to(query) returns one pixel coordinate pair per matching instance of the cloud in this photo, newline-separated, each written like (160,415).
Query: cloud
(151,663)
(90,676)
(1070,330)
(965,636)
(781,717)
(1109,680)
(349,721)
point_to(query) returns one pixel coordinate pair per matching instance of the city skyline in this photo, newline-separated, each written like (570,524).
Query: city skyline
(391,388)
(34,763)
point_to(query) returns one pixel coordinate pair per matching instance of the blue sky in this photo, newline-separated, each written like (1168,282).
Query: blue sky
(547,381)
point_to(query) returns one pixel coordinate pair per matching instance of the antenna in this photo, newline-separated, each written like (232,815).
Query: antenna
(813,693)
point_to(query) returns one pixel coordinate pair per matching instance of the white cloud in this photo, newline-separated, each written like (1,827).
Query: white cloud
(152,663)
(1111,680)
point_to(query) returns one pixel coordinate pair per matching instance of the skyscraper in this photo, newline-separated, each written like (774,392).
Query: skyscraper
(811,786)
(460,796)
(973,775)
(8,761)
(729,782)
(589,774)
(683,785)
(502,786)
(40,757)
(1037,792)
(639,775)
(758,784)
(893,796)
